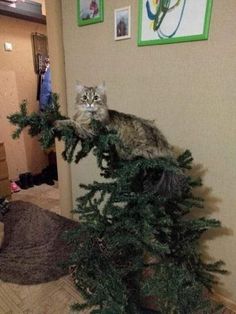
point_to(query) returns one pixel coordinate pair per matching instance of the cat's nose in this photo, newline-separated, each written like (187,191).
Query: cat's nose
(90,105)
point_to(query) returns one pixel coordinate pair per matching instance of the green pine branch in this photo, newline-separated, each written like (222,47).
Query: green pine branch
(127,218)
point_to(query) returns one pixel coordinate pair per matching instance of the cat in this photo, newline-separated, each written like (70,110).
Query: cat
(139,137)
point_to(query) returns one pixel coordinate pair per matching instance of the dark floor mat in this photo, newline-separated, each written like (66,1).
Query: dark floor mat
(33,247)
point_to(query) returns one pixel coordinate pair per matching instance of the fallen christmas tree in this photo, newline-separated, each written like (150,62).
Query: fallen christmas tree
(133,243)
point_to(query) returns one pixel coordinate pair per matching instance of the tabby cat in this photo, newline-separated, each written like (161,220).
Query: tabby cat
(139,137)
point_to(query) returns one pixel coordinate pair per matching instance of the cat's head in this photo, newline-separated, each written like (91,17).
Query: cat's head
(92,100)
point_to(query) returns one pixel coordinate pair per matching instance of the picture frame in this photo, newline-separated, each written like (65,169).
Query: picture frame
(40,51)
(90,12)
(122,23)
(173,21)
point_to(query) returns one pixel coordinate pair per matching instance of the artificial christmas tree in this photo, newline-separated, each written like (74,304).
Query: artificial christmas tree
(134,241)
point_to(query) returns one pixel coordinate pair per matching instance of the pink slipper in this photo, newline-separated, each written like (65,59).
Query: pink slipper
(14,187)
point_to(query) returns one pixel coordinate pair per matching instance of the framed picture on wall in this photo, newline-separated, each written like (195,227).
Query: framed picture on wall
(173,21)
(90,11)
(122,23)
(40,51)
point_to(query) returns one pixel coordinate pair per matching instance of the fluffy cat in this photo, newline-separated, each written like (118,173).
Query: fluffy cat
(139,137)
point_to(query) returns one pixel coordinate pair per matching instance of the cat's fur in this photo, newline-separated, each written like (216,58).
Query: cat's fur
(139,137)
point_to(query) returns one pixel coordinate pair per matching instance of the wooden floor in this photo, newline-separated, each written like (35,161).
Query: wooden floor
(49,298)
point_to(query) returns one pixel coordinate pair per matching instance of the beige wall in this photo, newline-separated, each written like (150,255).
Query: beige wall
(56,52)
(188,88)
(18,82)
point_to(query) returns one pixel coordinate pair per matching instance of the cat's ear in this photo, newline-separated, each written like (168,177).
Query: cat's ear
(79,87)
(102,88)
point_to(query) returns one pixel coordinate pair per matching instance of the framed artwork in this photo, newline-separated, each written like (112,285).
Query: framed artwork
(122,23)
(173,21)
(40,51)
(90,11)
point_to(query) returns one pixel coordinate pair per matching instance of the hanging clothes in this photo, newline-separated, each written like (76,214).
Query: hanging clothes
(45,90)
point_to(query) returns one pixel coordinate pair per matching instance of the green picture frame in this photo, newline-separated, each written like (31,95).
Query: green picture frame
(90,12)
(173,21)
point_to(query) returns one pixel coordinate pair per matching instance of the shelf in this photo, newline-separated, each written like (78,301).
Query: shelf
(23,14)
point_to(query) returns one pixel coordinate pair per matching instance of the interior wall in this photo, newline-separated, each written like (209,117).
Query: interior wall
(188,88)
(57,64)
(18,82)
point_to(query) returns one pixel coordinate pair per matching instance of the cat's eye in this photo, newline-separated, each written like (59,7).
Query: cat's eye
(95,97)
(84,97)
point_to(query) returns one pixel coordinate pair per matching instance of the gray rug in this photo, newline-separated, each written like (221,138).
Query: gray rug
(33,248)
